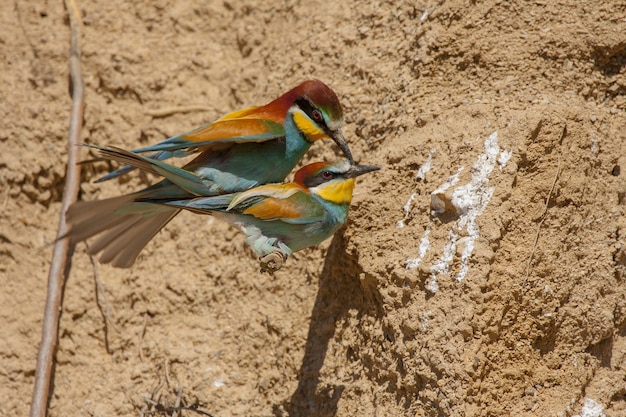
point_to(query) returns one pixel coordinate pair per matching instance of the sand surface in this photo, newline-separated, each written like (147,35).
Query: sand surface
(502,305)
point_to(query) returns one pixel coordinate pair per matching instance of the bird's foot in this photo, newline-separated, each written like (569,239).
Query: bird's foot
(272,262)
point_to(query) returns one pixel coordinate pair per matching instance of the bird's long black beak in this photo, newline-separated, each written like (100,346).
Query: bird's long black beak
(356,170)
(337,136)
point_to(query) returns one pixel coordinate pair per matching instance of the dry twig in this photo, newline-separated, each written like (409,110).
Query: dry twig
(545,209)
(179,395)
(141,334)
(59,264)
(105,310)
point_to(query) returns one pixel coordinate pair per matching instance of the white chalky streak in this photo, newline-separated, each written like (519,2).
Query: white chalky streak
(425,318)
(441,266)
(471,199)
(406,209)
(423,248)
(504,157)
(591,409)
(425,167)
(421,174)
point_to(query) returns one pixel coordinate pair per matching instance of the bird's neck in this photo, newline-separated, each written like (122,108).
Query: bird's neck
(307,128)
(296,141)
(336,208)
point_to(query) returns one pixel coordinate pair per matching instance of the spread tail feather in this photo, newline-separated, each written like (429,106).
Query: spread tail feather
(126,226)
(121,245)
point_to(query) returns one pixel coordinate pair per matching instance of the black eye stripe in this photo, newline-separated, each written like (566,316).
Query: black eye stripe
(310,109)
(320,179)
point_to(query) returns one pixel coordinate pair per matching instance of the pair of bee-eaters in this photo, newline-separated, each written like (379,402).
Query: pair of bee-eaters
(242,158)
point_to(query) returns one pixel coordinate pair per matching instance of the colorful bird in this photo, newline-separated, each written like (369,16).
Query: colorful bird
(239,151)
(279,219)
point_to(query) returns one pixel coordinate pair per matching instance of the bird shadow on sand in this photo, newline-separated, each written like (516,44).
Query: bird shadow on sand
(343,286)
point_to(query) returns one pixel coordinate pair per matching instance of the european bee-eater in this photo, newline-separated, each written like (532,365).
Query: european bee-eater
(279,219)
(239,151)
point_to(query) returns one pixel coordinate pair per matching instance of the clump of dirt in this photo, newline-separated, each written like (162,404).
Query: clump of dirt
(510,301)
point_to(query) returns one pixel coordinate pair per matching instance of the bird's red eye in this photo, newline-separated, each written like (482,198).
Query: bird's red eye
(327,175)
(317,115)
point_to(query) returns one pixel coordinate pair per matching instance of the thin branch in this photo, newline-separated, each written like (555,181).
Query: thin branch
(176,407)
(545,209)
(193,409)
(154,406)
(59,265)
(167,372)
(105,310)
(142,333)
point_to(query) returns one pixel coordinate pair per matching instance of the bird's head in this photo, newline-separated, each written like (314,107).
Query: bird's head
(316,111)
(332,182)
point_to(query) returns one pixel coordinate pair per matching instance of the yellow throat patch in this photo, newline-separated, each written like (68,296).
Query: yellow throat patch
(306,126)
(338,192)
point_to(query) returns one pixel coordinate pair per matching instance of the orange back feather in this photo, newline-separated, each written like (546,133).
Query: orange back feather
(273,208)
